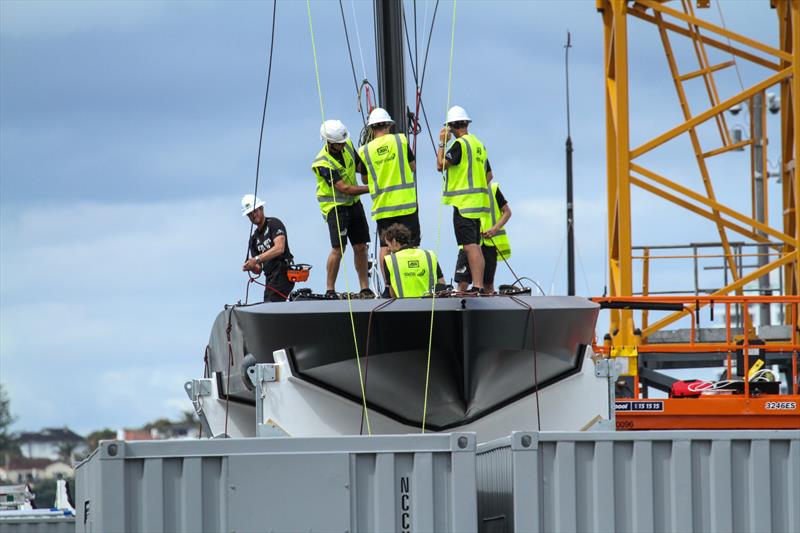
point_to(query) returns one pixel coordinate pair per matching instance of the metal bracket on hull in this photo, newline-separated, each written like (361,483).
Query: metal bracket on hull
(197,389)
(260,375)
(610,370)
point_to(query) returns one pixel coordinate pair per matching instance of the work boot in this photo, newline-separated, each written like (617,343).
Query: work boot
(366,294)
(331,294)
(385,293)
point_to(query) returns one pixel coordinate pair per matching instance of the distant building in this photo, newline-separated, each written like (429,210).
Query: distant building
(49,443)
(22,470)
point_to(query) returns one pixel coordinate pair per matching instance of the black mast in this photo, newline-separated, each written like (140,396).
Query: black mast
(570,217)
(391,71)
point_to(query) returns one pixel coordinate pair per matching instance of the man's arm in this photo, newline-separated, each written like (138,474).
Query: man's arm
(352,190)
(277,250)
(506,214)
(441,163)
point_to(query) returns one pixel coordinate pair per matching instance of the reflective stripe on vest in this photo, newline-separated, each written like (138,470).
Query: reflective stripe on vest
(327,195)
(391,182)
(412,286)
(500,240)
(465,185)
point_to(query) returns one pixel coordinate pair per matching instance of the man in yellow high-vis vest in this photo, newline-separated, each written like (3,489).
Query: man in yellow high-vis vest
(494,246)
(338,197)
(389,168)
(466,187)
(413,272)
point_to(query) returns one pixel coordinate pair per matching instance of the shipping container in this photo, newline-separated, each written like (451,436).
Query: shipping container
(345,484)
(640,481)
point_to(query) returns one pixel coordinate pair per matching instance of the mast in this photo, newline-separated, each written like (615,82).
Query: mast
(570,215)
(391,67)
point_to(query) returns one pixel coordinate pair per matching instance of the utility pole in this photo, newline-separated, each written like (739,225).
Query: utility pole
(757,118)
(391,66)
(570,217)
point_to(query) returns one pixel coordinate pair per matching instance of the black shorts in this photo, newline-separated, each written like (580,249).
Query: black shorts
(468,230)
(277,286)
(352,224)
(411,221)
(489,268)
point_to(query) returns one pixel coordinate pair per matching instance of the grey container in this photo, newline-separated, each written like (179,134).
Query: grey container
(346,484)
(640,481)
(37,524)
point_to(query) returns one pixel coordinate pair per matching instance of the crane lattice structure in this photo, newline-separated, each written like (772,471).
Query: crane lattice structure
(624,162)
(637,350)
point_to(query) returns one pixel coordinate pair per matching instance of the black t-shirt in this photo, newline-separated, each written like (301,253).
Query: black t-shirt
(500,199)
(264,238)
(339,156)
(453,156)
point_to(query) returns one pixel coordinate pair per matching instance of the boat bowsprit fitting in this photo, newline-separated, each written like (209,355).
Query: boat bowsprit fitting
(487,357)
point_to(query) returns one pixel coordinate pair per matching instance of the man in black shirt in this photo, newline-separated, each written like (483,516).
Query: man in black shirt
(269,250)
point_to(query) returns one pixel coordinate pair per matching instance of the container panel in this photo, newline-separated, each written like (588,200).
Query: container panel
(641,482)
(38,525)
(398,483)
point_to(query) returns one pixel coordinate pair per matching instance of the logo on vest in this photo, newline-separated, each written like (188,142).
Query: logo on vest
(383,150)
(413,263)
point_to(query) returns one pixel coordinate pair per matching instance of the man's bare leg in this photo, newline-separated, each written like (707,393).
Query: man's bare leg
(334,259)
(361,263)
(381,261)
(476,264)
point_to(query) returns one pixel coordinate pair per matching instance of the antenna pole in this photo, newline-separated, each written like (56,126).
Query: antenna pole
(391,67)
(570,216)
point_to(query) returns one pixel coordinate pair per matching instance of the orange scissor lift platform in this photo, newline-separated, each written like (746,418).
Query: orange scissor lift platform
(744,406)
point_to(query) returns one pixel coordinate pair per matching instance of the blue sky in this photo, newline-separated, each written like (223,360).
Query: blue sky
(129,130)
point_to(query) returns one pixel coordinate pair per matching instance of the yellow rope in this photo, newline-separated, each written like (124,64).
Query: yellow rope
(438,227)
(338,228)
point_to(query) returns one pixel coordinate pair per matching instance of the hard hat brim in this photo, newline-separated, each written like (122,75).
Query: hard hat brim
(248,211)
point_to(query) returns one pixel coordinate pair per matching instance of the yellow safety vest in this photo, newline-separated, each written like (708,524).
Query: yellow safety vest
(499,241)
(391,181)
(465,185)
(413,272)
(327,195)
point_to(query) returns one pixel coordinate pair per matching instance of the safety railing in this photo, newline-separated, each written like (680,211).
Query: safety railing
(691,306)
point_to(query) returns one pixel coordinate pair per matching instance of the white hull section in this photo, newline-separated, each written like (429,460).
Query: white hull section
(287,405)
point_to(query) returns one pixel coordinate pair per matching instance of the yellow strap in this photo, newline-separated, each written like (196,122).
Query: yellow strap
(439,225)
(338,228)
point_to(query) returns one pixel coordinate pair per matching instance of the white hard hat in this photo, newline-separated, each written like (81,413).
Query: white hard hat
(250,203)
(379,116)
(333,131)
(457,114)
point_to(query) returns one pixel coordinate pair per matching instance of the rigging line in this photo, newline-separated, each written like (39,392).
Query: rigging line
(583,270)
(428,46)
(535,357)
(358,40)
(338,227)
(439,224)
(263,121)
(408,47)
(733,57)
(372,311)
(416,41)
(350,55)
(558,260)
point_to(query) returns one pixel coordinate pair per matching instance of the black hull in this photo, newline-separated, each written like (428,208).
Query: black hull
(482,353)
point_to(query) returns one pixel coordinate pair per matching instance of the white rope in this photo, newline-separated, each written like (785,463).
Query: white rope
(358,40)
